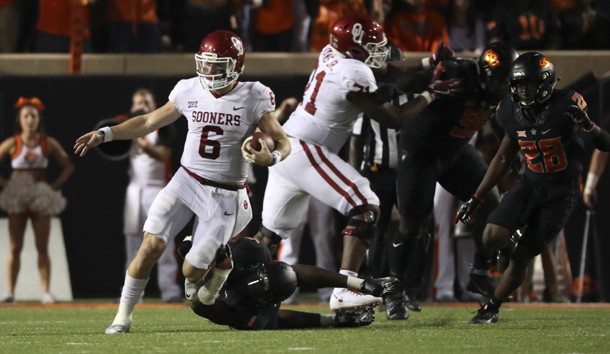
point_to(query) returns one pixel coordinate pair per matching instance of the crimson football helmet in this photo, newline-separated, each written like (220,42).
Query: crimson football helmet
(532,79)
(359,37)
(220,59)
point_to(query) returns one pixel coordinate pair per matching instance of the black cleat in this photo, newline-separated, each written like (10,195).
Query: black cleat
(412,304)
(381,287)
(355,318)
(395,307)
(485,315)
(480,284)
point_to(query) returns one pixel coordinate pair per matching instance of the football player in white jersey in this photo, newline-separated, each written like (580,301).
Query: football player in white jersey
(341,87)
(221,113)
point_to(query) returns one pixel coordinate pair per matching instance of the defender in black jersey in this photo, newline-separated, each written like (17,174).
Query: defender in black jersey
(542,123)
(434,148)
(250,298)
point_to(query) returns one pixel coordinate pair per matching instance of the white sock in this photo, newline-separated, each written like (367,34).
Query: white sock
(208,293)
(348,272)
(354,283)
(131,294)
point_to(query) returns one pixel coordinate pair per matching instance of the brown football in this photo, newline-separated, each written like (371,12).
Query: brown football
(255,144)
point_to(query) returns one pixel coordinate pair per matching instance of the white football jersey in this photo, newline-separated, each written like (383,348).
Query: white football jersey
(325,116)
(217,126)
(145,170)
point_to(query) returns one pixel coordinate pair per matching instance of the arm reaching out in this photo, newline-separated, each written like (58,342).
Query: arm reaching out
(497,169)
(129,129)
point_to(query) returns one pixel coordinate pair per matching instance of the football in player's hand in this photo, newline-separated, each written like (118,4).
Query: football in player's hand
(255,144)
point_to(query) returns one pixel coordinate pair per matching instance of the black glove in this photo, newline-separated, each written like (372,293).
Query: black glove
(467,209)
(354,317)
(222,254)
(442,52)
(382,287)
(580,118)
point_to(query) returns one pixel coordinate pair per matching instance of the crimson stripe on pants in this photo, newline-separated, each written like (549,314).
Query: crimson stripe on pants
(341,176)
(325,176)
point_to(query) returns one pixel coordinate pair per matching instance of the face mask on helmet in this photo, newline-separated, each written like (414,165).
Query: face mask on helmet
(525,90)
(220,59)
(532,79)
(273,281)
(378,53)
(215,73)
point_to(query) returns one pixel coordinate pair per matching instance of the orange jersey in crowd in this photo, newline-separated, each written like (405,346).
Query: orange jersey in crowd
(54,17)
(330,11)
(275,17)
(416,31)
(563,5)
(142,11)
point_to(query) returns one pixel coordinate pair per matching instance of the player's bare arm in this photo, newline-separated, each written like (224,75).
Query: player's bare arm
(387,114)
(130,129)
(498,167)
(394,69)
(598,164)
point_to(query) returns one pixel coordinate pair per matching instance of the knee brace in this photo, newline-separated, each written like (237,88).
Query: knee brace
(362,223)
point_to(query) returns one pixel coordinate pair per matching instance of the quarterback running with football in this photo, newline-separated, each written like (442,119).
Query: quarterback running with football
(341,86)
(221,113)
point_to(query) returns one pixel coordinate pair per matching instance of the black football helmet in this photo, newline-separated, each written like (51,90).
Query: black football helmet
(495,64)
(266,281)
(532,79)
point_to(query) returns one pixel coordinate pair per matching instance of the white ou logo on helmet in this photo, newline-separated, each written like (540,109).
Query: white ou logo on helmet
(238,45)
(357,33)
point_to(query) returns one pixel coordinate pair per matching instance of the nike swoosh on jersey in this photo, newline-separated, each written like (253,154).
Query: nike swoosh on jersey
(545,131)
(396,244)
(237,108)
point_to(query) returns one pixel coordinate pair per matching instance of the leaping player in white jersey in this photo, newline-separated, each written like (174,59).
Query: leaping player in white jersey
(340,88)
(221,113)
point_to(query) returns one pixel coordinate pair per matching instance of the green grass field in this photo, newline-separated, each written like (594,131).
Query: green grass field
(79,328)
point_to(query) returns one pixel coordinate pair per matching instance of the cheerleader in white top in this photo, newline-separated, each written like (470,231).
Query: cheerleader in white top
(27,195)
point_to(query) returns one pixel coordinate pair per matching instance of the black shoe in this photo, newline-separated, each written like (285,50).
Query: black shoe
(355,318)
(485,315)
(480,284)
(412,304)
(395,307)
(381,287)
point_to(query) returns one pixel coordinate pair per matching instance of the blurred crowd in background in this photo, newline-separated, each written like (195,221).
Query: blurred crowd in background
(151,26)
